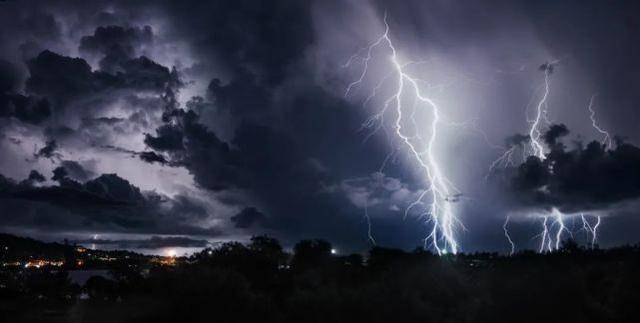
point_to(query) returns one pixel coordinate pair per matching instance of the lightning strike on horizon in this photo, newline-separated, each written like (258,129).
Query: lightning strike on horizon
(544,234)
(506,234)
(550,241)
(368,219)
(440,191)
(591,230)
(594,239)
(562,227)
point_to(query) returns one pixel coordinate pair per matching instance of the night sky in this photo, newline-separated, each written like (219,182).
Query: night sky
(155,124)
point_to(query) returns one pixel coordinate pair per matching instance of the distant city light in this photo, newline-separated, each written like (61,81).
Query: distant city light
(334,251)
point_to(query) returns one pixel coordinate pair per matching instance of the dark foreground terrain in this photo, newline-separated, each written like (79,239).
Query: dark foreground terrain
(258,282)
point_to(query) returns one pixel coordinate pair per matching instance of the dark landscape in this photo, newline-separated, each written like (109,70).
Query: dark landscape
(259,281)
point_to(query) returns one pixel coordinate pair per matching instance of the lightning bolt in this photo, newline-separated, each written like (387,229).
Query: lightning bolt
(541,112)
(544,235)
(368,219)
(550,241)
(606,141)
(561,227)
(589,229)
(506,234)
(595,233)
(536,147)
(436,198)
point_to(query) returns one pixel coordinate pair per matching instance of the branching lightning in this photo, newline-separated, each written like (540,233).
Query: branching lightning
(549,241)
(594,238)
(440,193)
(541,112)
(402,97)
(535,147)
(591,229)
(553,231)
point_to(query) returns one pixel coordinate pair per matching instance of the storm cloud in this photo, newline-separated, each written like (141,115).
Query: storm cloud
(229,119)
(583,178)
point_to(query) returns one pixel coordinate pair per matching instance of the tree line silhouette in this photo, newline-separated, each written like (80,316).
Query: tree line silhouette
(259,281)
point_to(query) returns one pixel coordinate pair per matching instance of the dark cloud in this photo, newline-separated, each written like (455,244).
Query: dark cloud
(35,176)
(29,109)
(152,157)
(191,144)
(555,132)
(50,150)
(168,138)
(63,78)
(107,202)
(579,179)
(115,44)
(113,187)
(27,28)
(233,97)
(76,171)
(273,35)
(248,217)
(260,152)
(9,77)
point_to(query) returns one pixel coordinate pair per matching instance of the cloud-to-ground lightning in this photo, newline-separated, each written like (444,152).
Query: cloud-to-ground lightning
(544,234)
(437,197)
(506,234)
(548,240)
(594,231)
(552,232)
(591,229)
(368,219)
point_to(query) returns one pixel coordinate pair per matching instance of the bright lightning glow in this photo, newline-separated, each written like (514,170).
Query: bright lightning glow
(549,241)
(506,234)
(438,197)
(606,141)
(544,234)
(562,228)
(541,112)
